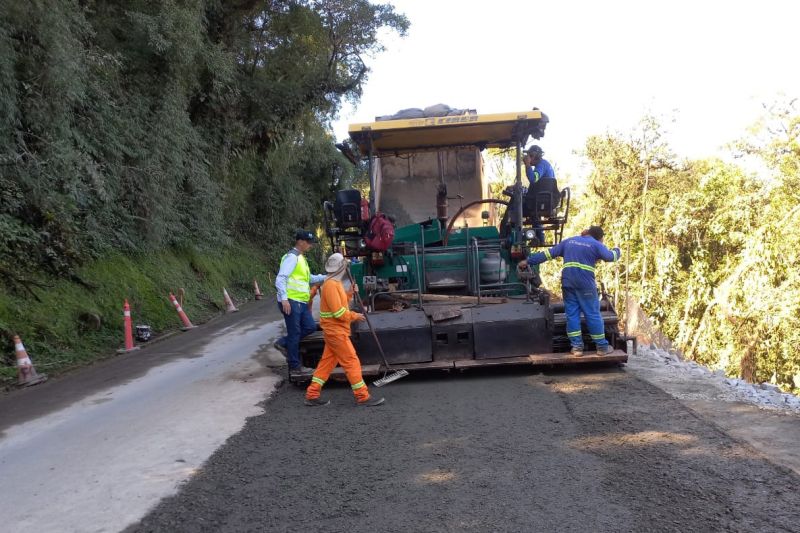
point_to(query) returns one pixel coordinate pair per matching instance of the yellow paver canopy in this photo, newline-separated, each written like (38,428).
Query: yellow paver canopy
(394,137)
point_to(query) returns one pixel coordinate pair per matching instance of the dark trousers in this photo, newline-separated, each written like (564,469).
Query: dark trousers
(299,323)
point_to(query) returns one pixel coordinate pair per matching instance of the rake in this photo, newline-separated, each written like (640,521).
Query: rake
(387,377)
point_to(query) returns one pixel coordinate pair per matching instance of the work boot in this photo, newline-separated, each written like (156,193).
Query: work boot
(371,402)
(316,402)
(576,351)
(605,350)
(301,371)
(281,348)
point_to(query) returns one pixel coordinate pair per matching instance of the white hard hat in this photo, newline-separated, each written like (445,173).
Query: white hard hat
(334,263)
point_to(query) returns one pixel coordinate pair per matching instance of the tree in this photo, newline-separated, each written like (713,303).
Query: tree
(134,125)
(714,267)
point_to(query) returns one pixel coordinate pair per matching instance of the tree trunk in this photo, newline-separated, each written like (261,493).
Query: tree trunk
(748,366)
(643,224)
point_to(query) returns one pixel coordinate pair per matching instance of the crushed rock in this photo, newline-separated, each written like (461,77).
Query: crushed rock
(689,380)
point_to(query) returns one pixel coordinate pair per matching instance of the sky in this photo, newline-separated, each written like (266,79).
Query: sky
(705,68)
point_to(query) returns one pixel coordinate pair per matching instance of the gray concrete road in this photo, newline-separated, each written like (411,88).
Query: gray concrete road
(94,450)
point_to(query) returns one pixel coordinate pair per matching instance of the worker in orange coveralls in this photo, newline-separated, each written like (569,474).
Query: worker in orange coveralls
(335,318)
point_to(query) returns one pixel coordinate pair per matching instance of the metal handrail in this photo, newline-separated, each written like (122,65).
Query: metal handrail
(421,281)
(478,270)
(417,273)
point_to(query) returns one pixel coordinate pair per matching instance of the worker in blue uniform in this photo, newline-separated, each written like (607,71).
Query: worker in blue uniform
(537,168)
(578,285)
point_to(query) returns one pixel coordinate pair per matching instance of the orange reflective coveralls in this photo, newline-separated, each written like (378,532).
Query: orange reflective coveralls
(335,318)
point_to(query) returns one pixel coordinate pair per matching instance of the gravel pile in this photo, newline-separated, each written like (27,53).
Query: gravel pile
(662,365)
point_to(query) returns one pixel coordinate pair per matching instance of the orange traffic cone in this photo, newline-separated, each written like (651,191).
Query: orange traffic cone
(187,324)
(258,291)
(126,314)
(229,307)
(26,372)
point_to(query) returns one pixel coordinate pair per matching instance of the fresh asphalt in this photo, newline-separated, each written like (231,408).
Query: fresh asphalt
(595,450)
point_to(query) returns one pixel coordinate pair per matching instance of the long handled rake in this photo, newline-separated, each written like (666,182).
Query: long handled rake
(387,377)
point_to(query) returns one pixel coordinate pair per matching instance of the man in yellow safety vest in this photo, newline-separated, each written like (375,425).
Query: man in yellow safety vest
(293,287)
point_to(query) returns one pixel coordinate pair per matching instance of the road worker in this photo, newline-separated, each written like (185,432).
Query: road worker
(335,318)
(538,171)
(578,284)
(536,167)
(293,287)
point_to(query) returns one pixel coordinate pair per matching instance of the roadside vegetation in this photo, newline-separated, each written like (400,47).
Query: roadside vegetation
(147,146)
(68,324)
(712,248)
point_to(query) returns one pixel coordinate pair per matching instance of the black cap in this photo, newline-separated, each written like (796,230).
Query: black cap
(596,232)
(536,149)
(305,235)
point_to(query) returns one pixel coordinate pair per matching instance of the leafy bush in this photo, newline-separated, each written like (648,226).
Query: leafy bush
(710,251)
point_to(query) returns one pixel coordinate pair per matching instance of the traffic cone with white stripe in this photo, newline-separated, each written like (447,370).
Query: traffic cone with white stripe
(257,290)
(27,375)
(187,324)
(229,307)
(126,315)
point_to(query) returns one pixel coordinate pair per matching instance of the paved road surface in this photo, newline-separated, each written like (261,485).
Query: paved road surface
(93,451)
(481,451)
(485,451)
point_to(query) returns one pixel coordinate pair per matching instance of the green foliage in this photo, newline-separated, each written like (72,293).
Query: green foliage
(502,171)
(132,127)
(69,324)
(709,250)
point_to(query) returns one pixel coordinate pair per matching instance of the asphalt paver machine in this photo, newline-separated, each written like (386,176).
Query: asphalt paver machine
(444,291)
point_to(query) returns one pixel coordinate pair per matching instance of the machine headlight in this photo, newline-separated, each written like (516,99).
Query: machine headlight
(530,234)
